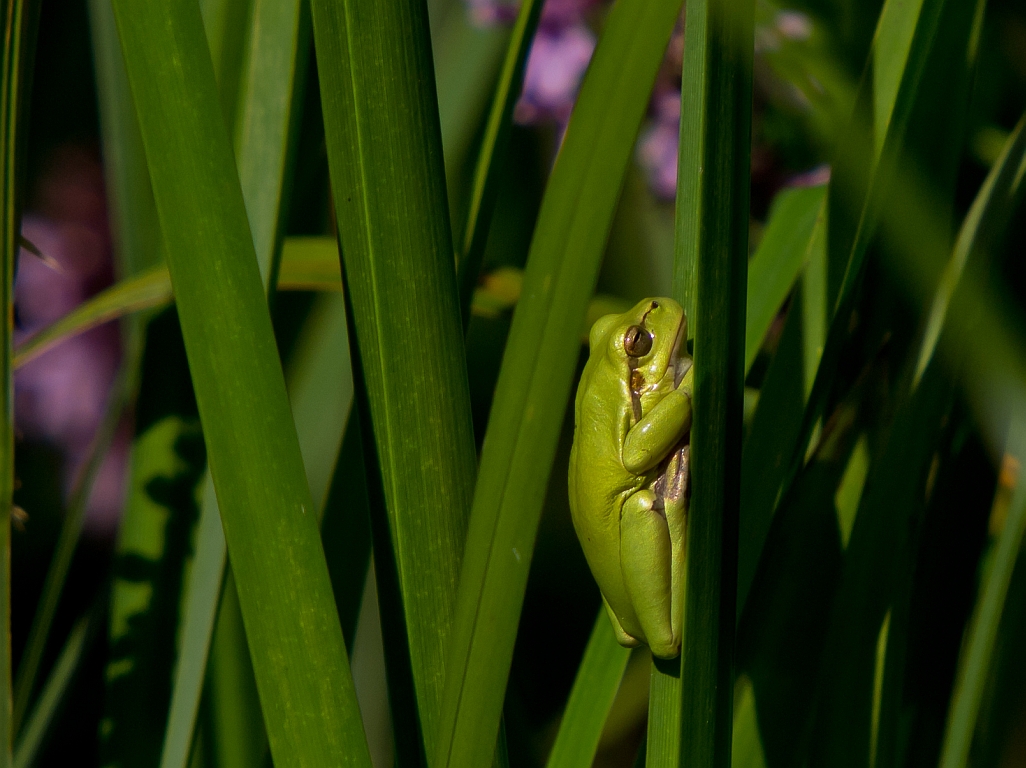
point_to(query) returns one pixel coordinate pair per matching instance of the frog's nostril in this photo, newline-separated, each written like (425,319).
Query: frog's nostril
(655,305)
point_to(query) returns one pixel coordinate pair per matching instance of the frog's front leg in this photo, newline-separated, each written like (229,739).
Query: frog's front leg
(649,440)
(646,553)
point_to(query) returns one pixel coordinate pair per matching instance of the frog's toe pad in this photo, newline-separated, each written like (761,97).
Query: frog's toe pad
(627,641)
(666,650)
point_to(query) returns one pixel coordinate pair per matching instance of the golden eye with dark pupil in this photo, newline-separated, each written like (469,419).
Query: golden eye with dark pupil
(637,342)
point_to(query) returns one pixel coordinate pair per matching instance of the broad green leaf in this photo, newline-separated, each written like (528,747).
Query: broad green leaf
(595,686)
(387,175)
(494,147)
(710,275)
(537,370)
(267,513)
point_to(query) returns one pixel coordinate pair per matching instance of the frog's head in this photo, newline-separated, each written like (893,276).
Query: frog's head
(647,342)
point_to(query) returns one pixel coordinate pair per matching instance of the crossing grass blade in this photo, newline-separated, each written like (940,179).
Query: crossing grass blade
(268,516)
(978,649)
(710,276)
(493,151)
(20,18)
(780,258)
(51,697)
(307,264)
(67,541)
(387,175)
(273,47)
(149,289)
(535,379)
(595,686)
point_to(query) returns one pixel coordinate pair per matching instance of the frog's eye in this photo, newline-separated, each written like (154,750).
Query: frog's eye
(637,342)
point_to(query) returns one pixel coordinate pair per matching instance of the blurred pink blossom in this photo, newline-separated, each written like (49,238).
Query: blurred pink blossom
(658,146)
(60,397)
(557,62)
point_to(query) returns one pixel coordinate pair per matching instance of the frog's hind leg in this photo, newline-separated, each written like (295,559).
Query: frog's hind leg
(645,562)
(622,637)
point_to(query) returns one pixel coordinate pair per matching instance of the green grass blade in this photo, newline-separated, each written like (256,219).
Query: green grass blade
(662,739)
(199,611)
(779,259)
(865,166)
(133,214)
(591,698)
(975,664)
(268,516)
(492,154)
(307,264)
(237,736)
(51,697)
(385,158)
(535,379)
(467,57)
(767,450)
(273,71)
(275,43)
(987,217)
(711,272)
(67,540)
(746,745)
(20,18)
(149,289)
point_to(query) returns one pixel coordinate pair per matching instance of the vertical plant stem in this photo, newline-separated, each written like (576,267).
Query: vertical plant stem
(19,35)
(710,279)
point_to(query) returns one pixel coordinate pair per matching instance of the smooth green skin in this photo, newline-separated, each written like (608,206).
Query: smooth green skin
(629,472)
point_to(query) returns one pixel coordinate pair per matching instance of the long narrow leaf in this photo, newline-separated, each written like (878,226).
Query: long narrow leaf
(20,19)
(974,666)
(276,48)
(711,272)
(268,516)
(595,686)
(51,697)
(385,158)
(535,378)
(493,151)
(67,540)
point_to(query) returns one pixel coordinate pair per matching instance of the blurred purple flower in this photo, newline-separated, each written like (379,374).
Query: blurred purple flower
(559,56)
(658,146)
(61,396)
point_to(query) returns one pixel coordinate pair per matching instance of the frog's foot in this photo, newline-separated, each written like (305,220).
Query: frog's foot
(624,639)
(645,555)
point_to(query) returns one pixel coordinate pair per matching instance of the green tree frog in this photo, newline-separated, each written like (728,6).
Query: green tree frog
(629,469)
